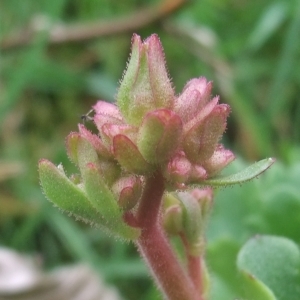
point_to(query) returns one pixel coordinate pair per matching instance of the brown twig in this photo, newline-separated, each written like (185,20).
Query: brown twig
(59,34)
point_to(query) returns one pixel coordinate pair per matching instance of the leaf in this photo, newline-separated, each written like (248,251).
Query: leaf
(242,176)
(271,265)
(255,289)
(65,194)
(270,21)
(104,202)
(71,198)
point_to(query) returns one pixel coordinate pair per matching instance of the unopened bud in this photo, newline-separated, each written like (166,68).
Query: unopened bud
(145,85)
(128,191)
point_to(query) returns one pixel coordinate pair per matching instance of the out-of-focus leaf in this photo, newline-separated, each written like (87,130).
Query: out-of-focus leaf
(269,22)
(281,209)
(271,265)
(10,169)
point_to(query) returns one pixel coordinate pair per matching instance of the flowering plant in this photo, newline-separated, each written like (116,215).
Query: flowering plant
(149,172)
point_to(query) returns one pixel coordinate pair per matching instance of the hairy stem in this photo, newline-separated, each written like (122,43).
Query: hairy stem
(195,272)
(155,248)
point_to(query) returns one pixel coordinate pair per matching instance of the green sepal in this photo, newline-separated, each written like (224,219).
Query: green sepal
(124,97)
(129,157)
(242,176)
(86,153)
(71,145)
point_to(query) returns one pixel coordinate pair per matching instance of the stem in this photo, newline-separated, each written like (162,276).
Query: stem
(195,267)
(195,273)
(155,248)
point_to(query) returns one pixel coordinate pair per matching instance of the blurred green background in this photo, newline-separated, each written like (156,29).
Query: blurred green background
(250,49)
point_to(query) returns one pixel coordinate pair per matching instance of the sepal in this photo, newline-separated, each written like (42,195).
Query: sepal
(129,157)
(96,142)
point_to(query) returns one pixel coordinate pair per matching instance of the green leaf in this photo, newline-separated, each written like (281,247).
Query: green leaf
(270,21)
(105,203)
(255,289)
(271,266)
(242,176)
(65,194)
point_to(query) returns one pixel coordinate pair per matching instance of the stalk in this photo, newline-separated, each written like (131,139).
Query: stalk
(154,247)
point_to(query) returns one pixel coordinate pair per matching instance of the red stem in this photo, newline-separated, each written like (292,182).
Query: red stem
(195,267)
(155,248)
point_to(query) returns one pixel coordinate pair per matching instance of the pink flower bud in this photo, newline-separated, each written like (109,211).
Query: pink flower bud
(129,157)
(109,131)
(219,160)
(96,142)
(128,191)
(106,113)
(198,174)
(194,97)
(159,135)
(145,85)
(201,140)
(179,169)
(106,109)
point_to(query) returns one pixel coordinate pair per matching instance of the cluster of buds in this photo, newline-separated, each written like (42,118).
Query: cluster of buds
(148,130)
(186,215)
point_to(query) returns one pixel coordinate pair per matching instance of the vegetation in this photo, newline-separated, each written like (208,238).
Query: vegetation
(250,50)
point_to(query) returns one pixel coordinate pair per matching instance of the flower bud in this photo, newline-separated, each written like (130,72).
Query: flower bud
(201,140)
(198,174)
(107,111)
(178,169)
(145,85)
(205,199)
(159,135)
(192,223)
(129,157)
(219,160)
(128,191)
(194,97)
(172,219)
(109,131)
(96,142)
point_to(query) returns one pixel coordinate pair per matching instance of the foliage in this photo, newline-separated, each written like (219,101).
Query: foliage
(249,49)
